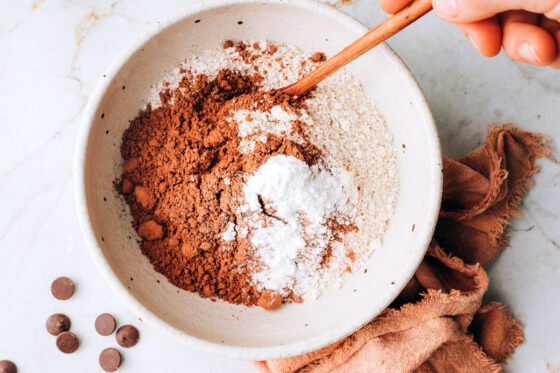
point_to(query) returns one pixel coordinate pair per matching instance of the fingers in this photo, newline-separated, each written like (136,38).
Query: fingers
(476,10)
(523,36)
(525,41)
(553,28)
(486,35)
(393,6)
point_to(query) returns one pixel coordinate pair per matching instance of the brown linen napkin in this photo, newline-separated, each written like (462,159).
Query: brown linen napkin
(437,324)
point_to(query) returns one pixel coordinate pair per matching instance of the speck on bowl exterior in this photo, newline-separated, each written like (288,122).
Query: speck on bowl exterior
(217,327)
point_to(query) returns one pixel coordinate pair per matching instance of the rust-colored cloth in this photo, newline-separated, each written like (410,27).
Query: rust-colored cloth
(437,324)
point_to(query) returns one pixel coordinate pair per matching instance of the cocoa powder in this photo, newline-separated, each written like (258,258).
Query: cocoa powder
(183,176)
(176,160)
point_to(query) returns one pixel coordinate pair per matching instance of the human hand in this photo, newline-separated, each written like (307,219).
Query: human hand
(528,30)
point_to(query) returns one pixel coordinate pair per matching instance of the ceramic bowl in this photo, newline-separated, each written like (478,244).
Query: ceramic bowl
(218,327)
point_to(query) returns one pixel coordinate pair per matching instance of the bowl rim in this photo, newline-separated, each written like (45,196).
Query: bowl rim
(134,305)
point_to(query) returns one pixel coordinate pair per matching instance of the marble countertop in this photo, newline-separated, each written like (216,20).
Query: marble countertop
(52,52)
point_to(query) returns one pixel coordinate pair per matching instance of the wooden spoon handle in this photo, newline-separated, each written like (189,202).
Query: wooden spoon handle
(375,36)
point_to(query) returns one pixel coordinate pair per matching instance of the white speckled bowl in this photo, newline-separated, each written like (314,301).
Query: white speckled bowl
(235,331)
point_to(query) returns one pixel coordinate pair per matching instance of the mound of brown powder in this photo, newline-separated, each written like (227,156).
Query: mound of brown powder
(183,176)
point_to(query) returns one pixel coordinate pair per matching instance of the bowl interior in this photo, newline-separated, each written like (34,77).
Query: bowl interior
(238,331)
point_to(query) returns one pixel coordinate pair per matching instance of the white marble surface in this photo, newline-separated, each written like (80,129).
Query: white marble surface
(52,52)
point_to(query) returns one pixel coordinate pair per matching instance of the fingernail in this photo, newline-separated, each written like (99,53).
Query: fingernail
(528,54)
(446,8)
(471,39)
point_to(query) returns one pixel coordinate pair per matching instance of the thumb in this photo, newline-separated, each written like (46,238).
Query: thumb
(476,10)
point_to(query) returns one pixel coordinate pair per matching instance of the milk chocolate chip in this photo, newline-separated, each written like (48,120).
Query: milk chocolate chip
(6,366)
(58,323)
(62,288)
(110,359)
(67,342)
(127,336)
(105,324)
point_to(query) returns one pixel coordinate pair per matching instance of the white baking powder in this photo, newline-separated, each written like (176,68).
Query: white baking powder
(289,204)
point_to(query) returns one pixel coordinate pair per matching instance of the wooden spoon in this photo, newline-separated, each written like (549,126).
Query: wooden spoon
(383,31)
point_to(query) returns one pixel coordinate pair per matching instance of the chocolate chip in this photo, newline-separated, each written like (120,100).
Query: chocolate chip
(62,288)
(58,323)
(127,336)
(105,324)
(6,366)
(110,359)
(67,342)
